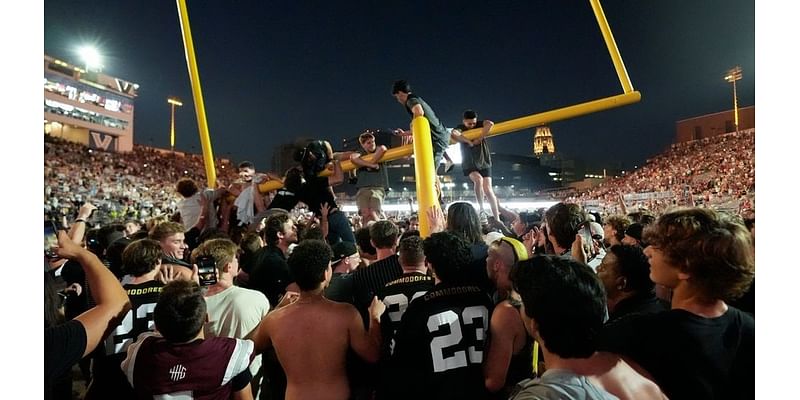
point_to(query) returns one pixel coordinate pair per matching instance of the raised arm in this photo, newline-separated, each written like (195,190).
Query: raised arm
(367,344)
(111,299)
(78,228)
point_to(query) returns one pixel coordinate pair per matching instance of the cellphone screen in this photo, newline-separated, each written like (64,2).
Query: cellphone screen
(207,269)
(50,239)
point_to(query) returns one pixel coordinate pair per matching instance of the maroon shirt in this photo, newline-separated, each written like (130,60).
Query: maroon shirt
(202,369)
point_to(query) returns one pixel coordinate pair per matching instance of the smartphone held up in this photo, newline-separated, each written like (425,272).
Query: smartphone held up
(50,239)
(207,270)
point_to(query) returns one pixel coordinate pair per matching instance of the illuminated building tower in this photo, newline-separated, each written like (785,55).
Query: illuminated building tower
(543,141)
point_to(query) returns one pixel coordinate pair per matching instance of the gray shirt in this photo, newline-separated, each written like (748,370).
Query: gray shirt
(560,384)
(369,177)
(439,135)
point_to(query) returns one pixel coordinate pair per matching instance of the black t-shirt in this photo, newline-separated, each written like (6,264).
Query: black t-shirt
(689,356)
(474,157)
(368,280)
(439,135)
(340,288)
(283,199)
(644,303)
(396,295)
(270,273)
(315,192)
(439,346)
(63,347)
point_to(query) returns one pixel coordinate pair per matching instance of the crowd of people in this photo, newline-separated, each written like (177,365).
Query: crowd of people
(714,172)
(180,291)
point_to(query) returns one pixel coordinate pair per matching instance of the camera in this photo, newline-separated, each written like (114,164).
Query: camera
(207,270)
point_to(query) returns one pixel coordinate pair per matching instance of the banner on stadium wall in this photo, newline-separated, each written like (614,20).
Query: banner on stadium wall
(102,141)
(648,196)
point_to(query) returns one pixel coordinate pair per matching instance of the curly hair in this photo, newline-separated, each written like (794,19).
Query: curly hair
(563,222)
(308,262)
(619,223)
(713,248)
(187,187)
(448,255)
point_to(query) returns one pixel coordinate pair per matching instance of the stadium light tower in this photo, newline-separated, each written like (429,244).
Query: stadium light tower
(91,57)
(173,101)
(732,76)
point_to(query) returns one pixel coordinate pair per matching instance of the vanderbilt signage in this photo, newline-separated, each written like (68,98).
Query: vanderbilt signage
(102,141)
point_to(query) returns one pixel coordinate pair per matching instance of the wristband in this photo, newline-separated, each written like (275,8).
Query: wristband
(80,220)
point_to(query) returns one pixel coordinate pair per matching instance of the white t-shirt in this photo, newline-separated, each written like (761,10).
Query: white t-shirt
(234,313)
(190,208)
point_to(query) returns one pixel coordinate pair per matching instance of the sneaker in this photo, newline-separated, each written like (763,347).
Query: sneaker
(448,166)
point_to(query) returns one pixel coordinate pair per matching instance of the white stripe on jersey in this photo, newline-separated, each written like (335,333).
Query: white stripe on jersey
(240,359)
(185,395)
(130,359)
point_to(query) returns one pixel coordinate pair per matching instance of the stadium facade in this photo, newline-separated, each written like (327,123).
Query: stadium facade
(88,107)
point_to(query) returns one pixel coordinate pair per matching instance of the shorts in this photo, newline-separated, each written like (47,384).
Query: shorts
(370,197)
(485,172)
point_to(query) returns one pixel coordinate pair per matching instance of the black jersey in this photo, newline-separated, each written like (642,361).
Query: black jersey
(439,345)
(396,295)
(108,380)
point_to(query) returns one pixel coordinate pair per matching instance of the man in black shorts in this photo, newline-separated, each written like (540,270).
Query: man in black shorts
(476,160)
(440,343)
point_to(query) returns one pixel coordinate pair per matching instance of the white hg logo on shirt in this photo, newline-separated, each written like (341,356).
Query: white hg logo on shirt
(177,373)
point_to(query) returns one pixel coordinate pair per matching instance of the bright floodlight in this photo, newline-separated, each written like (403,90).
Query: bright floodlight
(91,57)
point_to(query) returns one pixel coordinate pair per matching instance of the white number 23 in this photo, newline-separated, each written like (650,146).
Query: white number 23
(459,358)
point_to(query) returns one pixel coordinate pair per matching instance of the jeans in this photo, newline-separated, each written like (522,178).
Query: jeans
(339,229)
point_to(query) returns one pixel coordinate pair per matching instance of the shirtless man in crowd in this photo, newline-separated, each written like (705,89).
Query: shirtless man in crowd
(312,334)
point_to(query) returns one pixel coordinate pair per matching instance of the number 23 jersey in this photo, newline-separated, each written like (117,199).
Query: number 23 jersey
(439,346)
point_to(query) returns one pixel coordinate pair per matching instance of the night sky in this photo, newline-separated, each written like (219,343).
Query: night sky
(273,71)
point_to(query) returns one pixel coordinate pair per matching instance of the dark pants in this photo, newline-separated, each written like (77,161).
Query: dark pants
(339,229)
